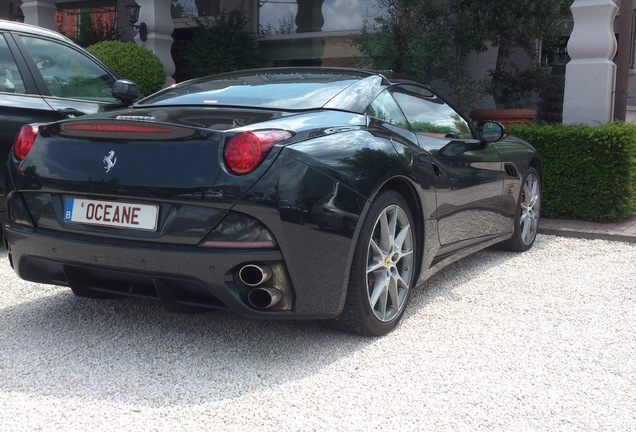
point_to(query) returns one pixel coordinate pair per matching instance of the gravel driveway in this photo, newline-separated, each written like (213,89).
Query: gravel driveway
(544,340)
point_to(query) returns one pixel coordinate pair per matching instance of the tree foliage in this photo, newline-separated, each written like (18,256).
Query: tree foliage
(521,23)
(221,43)
(433,40)
(427,39)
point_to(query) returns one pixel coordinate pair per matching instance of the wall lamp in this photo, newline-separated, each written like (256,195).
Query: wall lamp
(132,11)
(17,15)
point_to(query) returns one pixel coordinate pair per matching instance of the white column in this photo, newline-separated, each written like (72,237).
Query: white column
(156,15)
(40,13)
(590,75)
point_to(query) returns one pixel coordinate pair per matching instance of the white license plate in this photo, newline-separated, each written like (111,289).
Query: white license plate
(112,214)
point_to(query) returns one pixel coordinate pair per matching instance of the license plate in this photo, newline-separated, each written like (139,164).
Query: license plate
(112,214)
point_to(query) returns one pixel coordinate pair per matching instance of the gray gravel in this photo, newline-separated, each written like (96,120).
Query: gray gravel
(544,340)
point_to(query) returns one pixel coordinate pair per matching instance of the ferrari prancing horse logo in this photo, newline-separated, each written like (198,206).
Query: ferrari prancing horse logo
(110,160)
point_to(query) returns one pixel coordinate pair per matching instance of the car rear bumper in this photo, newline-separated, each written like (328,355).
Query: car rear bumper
(183,278)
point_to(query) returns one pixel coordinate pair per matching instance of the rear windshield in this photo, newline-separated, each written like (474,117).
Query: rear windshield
(289,91)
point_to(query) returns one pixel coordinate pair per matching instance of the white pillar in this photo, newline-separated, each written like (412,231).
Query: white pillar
(156,15)
(590,75)
(40,13)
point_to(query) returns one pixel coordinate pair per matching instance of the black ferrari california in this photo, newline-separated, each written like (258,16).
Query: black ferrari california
(311,193)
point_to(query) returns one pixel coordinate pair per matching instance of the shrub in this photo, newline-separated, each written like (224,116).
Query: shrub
(133,62)
(589,173)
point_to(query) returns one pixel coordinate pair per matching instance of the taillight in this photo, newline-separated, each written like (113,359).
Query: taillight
(246,150)
(24,141)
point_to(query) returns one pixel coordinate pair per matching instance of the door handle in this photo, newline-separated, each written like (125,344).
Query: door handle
(436,169)
(426,159)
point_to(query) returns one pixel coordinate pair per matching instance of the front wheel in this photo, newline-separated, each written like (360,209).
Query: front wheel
(383,268)
(528,213)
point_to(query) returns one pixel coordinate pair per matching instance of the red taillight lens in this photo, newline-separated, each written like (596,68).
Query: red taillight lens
(24,141)
(246,150)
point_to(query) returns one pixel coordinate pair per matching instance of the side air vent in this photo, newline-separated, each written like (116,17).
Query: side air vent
(511,170)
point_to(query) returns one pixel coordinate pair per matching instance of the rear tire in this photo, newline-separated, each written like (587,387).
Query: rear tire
(527,216)
(383,268)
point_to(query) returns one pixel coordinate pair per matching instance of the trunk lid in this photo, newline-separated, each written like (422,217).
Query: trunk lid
(122,162)
(163,153)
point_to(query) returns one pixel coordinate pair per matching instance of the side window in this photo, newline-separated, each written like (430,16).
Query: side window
(68,73)
(428,114)
(10,79)
(386,109)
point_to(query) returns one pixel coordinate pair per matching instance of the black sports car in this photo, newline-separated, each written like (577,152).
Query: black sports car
(280,193)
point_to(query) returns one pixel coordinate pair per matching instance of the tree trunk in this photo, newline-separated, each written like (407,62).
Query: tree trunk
(501,67)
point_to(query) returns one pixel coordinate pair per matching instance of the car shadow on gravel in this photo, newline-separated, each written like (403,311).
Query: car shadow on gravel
(443,283)
(132,351)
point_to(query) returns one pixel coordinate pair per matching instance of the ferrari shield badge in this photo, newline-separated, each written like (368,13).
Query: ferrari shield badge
(110,160)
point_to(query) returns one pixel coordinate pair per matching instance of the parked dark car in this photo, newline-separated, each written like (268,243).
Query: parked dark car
(45,77)
(281,193)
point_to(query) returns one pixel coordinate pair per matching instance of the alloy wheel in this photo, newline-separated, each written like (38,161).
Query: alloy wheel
(389,263)
(530,208)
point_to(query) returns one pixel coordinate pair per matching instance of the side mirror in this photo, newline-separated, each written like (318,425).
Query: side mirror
(126,91)
(491,131)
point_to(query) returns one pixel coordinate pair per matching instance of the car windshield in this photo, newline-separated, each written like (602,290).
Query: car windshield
(290,91)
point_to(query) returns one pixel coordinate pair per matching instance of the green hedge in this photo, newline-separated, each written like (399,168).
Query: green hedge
(133,62)
(589,173)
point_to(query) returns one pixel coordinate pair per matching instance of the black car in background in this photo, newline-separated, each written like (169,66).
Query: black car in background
(44,77)
(276,193)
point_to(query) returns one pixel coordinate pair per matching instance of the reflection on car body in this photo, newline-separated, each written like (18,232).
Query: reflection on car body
(330,212)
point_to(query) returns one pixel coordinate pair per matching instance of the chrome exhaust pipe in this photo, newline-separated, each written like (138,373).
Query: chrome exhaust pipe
(254,274)
(265,297)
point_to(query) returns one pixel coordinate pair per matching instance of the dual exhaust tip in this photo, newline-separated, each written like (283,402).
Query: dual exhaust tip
(256,275)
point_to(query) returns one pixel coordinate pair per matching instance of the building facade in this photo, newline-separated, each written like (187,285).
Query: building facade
(291,32)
